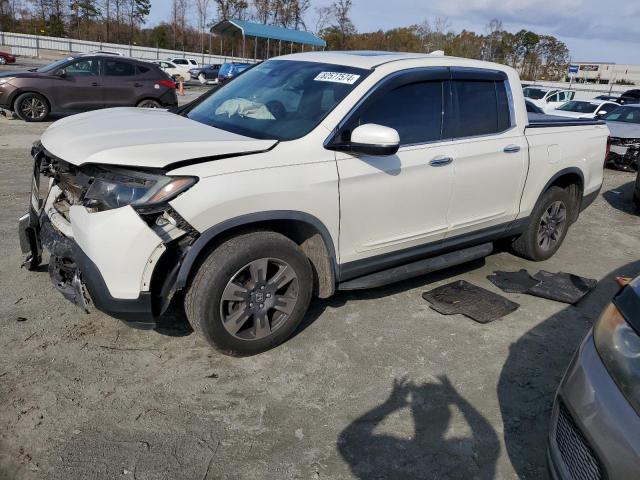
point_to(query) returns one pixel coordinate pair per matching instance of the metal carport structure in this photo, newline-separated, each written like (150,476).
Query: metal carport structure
(243,29)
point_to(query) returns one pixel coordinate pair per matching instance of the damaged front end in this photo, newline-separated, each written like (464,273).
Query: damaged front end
(624,153)
(131,275)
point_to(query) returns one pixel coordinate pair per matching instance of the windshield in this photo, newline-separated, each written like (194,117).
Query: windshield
(534,93)
(624,114)
(278,99)
(581,107)
(54,65)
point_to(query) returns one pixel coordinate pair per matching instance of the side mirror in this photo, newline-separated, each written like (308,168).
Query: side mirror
(373,139)
(601,113)
(60,73)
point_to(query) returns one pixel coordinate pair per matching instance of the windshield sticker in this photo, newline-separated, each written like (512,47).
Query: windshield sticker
(336,77)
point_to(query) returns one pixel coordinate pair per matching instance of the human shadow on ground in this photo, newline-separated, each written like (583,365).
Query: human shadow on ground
(534,368)
(429,452)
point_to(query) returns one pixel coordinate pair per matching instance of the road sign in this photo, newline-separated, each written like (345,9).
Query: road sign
(573,69)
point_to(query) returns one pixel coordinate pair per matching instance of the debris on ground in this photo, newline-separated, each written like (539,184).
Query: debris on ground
(469,300)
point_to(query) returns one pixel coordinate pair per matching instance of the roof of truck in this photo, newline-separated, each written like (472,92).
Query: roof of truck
(368,59)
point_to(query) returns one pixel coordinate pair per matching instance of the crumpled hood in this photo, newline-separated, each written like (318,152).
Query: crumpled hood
(624,130)
(141,137)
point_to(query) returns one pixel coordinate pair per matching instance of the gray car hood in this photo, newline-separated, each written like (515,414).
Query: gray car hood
(142,138)
(624,130)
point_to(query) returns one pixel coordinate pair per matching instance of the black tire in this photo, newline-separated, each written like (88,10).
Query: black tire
(207,310)
(31,107)
(148,103)
(528,244)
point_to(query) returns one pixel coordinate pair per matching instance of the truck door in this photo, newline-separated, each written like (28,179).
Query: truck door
(490,152)
(391,203)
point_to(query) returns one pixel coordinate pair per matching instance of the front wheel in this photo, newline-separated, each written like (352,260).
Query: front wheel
(31,107)
(202,79)
(250,294)
(548,226)
(3,61)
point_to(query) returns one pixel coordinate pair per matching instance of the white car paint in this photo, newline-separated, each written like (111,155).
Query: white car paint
(602,107)
(174,70)
(552,99)
(146,137)
(370,206)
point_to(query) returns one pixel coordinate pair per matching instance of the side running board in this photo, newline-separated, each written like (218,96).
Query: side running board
(415,269)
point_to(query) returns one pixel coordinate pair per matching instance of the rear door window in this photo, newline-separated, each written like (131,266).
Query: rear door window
(117,68)
(477,107)
(414,110)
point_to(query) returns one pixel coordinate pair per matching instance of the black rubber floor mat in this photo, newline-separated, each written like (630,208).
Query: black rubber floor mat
(513,282)
(467,299)
(561,287)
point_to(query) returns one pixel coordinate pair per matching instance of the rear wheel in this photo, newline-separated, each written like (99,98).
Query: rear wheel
(250,294)
(548,226)
(149,103)
(31,107)
(3,61)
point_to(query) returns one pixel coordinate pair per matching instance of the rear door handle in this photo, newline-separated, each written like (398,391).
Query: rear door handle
(95,84)
(512,149)
(440,161)
(137,85)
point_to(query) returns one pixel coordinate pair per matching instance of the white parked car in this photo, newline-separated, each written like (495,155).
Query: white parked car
(585,109)
(173,70)
(548,98)
(187,63)
(308,173)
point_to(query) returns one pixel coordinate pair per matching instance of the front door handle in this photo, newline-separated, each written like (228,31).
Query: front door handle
(95,84)
(512,149)
(138,85)
(440,161)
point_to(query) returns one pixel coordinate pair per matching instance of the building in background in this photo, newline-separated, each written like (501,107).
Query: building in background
(607,73)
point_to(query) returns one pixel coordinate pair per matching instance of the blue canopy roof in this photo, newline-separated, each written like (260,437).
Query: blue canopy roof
(249,29)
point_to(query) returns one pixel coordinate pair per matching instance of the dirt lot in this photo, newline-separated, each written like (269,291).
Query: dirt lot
(375,384)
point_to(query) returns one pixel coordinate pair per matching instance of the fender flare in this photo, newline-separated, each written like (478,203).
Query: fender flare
(208,235)
(561,173)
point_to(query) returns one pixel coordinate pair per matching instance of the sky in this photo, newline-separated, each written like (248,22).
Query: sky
(594,30)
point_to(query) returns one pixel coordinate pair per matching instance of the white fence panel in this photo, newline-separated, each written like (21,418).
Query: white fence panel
(30,45)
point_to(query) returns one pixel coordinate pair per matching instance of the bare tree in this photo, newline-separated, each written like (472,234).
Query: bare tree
(202,9)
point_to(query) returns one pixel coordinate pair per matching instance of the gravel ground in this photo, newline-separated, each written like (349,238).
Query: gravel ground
(374,385)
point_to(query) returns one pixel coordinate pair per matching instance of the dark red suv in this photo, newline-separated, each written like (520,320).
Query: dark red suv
(86,82)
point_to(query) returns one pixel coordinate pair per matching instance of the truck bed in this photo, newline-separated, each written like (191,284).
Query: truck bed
(538,120)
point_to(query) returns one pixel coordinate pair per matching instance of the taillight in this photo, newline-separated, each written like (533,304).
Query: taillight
(167,83)
(608,150)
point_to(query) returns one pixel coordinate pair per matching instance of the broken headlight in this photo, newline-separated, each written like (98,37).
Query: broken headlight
(115,188)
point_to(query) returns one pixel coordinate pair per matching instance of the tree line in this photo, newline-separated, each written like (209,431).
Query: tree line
(188,23)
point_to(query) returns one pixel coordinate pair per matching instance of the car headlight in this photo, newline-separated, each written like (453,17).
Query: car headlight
(115,188)
(619,347)
(5,80)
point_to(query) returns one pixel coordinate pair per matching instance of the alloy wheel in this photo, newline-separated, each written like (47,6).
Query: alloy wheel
(552,225)
(3,61)
(33,108)
(259,299)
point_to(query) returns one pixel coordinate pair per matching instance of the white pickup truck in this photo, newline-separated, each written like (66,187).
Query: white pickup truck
(308,173)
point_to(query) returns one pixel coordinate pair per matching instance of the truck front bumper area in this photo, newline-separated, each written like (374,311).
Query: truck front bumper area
(76,276)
